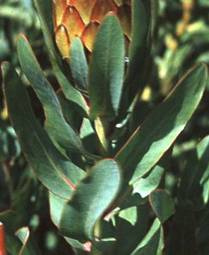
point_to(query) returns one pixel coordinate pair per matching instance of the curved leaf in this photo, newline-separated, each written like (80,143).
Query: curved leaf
(57,205)
(146,185)
(44,9)
(91,198)
(67,139)
(57,173)
(151,140)
(152,243)
(162,204)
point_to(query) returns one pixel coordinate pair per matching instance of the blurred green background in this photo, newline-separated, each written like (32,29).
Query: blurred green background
(182,39)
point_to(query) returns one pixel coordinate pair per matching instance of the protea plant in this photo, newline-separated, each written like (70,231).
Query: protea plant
(101,172)
(82,19)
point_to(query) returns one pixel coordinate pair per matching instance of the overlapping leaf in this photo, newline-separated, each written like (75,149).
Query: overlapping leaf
(45,14)
(162,204)
(152,243)
(139,53)
(67,139)
(91,198)
(150,141)
(57,173)
(107,69)
(78,64)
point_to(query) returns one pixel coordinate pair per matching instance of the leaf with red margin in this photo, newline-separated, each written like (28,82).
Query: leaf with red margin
(57,173)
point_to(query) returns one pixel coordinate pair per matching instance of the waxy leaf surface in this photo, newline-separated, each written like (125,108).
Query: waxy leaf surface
(92,197)
(107,69)
(56,172)
(162,126)
(59,130)
(162,204)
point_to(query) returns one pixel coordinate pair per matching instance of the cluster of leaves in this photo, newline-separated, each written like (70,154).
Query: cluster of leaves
(23,202)
(114,179)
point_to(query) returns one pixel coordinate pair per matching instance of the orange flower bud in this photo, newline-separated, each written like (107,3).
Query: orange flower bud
(81,18)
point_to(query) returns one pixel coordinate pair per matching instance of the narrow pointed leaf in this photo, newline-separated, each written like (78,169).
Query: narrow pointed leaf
(150,141)
(67,139)
(44,9)
(139,52)
(183,235)
(56,173)
(78,63)
(196,174)
(107,69)
(91,198)
(152,243)
(23,235)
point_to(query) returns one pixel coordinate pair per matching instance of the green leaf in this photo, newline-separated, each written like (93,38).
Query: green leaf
(146,185)
(57,205)
(14,246)
(23,235)
(158,132)
(57,173)
(183,235)
(78,63)
(107,69)
(92,197)
(67,139)
(72,94)
(131,226)
(162,204)
(44,9)
(203,155)
(21,244)
(139,51)
(9,146)
(152,243)
(129,214)
(21,208)
(194,180)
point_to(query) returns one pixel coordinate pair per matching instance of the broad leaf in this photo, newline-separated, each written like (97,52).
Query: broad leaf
(92,197)
(162,204)
(107,69)
(57,205)
(57,173)
(68,140)
(154,137)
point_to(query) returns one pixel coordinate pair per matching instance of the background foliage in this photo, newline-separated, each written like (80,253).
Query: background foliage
(181,41)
